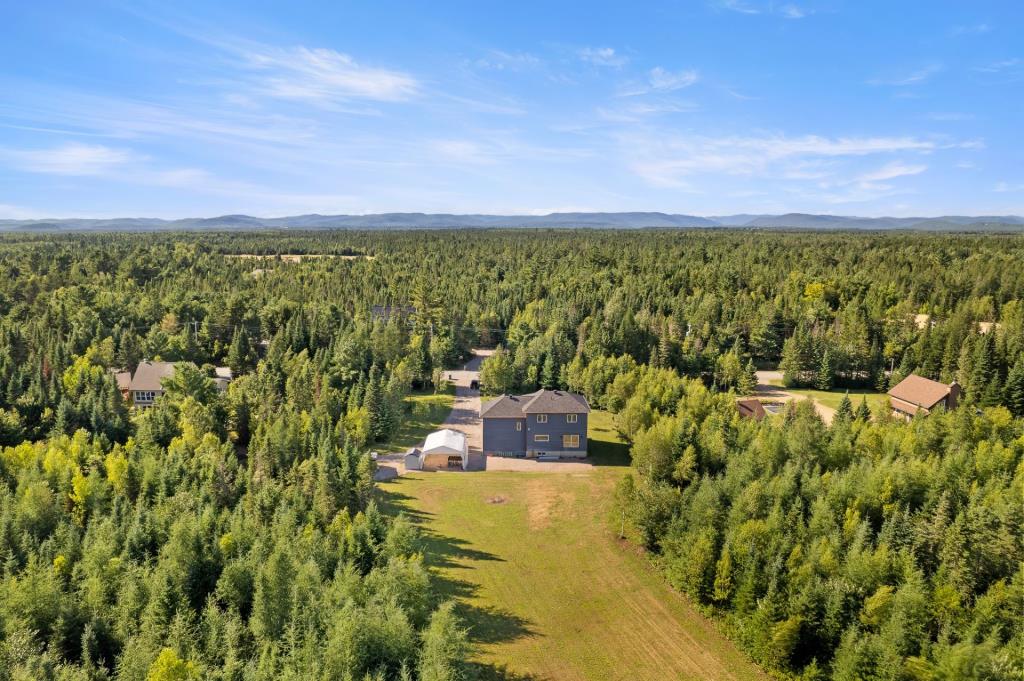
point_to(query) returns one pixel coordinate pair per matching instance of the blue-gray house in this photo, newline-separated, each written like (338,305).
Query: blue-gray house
(552,422)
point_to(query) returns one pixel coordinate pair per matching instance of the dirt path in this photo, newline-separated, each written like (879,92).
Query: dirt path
(766,390)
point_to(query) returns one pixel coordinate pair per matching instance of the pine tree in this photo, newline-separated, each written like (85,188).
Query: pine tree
(549,373)
(748,379)
(1013,391)
(823,379)
(239,356)
(373,401)
(845,410)
(863,412)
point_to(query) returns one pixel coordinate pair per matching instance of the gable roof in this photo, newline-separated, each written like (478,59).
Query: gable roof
(919,391)
(150,375)
(539,402)
(445,439)
(505,406)
(751,408)
(556,402)
(122,378)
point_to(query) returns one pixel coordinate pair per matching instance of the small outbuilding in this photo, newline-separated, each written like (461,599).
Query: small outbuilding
(412,460)
(751,408)
(444,449)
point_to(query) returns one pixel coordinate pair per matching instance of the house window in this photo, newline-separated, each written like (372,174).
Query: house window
(572,418)
(542,418)
(570,442)
(541,438)
(519,425)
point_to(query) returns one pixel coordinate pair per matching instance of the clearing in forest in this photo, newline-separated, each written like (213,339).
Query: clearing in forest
(545,586)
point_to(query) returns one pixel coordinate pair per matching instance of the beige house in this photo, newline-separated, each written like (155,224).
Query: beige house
(147,382)
(917,394)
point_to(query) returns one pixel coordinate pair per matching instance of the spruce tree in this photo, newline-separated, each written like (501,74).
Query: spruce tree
(863,412)
(1013,391)
(845,410)
(824,377)
(748,379)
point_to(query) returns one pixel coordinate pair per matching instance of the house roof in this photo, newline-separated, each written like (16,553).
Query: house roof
(556,402)
(122,378)
(919,391)
(150,375)
(751,408)
(445,439)
(539,402)
(223,372)
(506,406)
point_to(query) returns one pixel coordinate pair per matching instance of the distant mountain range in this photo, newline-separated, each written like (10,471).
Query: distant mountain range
(592,220)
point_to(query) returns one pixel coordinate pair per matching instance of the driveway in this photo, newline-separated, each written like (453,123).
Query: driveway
(769,390)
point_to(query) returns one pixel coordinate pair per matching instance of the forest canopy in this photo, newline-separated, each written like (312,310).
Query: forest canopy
(237,534)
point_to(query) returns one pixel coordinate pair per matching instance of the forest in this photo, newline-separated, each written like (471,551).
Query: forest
(239,534)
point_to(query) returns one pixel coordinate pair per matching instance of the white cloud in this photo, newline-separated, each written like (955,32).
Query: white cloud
(500,60)
(738,6)
(999,66)
(972,29)
(913,78)
(792,12)
(892,170)
(1006,187)
(602,56)
(70,159)
(663,160)
(662,80)
(325,75)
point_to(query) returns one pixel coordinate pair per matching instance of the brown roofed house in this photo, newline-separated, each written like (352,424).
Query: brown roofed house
(751,408)
(147,383)
(917,394)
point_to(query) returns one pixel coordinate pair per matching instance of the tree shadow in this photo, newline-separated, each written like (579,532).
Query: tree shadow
(480,671)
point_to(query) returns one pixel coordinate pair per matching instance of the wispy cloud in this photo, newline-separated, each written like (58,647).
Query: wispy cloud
(664,161)
(602,56)
(69,159)
(1007,187)
(915,77)
(500,60)
(325,75)
(660,80)
(737,6)
(791,11)
(1000,66)
(890,171)
(971,29)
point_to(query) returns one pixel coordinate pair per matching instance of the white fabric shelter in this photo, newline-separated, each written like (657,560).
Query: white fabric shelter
(442,444)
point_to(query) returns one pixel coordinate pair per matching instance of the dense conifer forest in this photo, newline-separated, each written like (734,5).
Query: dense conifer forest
(238,534)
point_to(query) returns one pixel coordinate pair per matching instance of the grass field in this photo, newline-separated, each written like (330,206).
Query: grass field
(546,588)
(832,398)
(426,412)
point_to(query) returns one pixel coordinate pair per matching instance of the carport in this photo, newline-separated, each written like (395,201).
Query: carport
(444,449)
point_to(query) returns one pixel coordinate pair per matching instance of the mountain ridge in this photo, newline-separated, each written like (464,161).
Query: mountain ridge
(598,220)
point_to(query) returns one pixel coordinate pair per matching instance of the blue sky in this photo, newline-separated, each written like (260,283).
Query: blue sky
(726,106)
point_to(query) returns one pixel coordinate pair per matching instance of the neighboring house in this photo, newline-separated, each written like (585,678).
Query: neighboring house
(123,380)
(442,449)
(917,394)
(147,383)
(751,408)
(222,376)
(546,422)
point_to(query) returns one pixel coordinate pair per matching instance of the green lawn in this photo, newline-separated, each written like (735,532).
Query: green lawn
(427,411)
(832,398)
(546,588)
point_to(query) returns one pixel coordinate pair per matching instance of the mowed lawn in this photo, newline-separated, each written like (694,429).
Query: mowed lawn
(832,398)
(545,586)
(426,411)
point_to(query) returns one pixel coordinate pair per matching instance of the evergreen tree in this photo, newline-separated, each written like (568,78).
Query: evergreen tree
(748,379)
(863,412)
(845,409)
(1014,388)
(825,376)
